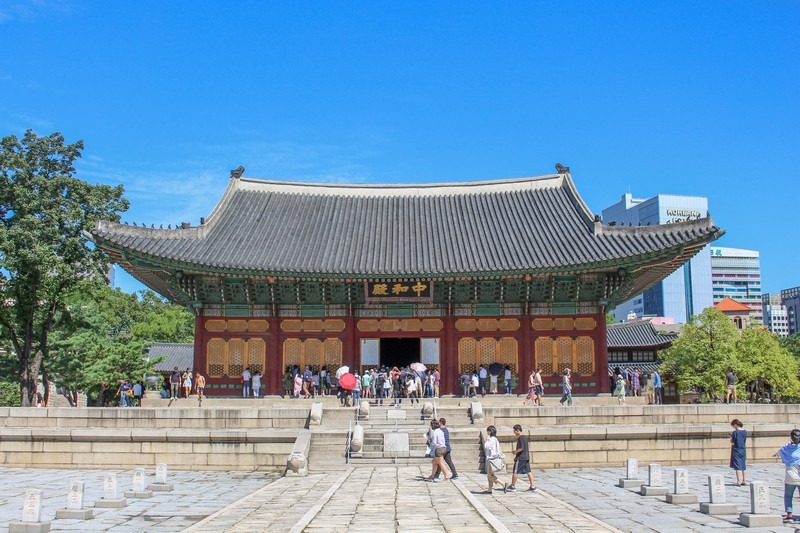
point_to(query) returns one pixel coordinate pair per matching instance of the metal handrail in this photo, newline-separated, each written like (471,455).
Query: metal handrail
(347,444)
(435,409)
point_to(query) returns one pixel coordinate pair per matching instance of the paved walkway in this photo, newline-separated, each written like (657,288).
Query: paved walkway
(386,498)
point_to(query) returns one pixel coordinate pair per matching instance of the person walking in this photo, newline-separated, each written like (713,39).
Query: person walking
(494,460)
(438,451)
(790,456)
(522,461)
(187,383)
(619,390)
(566,388)
(507,376)
(200,384)
(739,451)
(447,459)
(538,387)
(175,383)
(658,390)
(730,381)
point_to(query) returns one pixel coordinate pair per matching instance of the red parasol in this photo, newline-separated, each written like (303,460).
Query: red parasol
(347,381)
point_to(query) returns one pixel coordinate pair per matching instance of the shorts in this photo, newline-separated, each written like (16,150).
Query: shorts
(440,452)
(537,389)
(522,467)
(201,390)
(731,388)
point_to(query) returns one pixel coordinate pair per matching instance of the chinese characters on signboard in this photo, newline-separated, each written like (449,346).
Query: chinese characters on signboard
(399,290)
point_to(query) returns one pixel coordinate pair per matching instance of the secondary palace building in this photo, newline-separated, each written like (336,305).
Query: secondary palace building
(454,275)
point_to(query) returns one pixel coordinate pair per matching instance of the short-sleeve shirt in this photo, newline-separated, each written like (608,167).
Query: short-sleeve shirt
(522,443)
(731,378)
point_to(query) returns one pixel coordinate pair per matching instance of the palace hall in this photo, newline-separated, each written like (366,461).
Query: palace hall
(454,275)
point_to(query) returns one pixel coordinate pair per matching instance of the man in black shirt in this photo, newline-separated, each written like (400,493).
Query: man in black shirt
(522,459)
(447,458)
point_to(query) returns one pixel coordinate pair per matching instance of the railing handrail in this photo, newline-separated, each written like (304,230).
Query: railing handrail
(347,444)
(435,409)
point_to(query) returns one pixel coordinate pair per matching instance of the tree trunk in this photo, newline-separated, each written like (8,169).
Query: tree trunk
(45,387)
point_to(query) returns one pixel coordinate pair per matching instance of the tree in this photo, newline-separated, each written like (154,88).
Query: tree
(700,356)
(792,344)
(610,317)
(44,214)
(761,356)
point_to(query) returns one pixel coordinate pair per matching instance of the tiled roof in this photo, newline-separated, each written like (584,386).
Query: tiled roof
(730,305)
(636,334)
(510,226)
(180,355)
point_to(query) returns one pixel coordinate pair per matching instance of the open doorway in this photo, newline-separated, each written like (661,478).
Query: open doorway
(399,352)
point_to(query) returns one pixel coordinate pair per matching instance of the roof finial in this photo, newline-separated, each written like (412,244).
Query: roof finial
(237,173)
(561,169)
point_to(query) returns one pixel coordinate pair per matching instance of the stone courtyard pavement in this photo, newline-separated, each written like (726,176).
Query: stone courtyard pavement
(387,498)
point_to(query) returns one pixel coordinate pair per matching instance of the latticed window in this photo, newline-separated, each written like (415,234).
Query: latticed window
(473,352)
(229,357)
(554,354)
(314,352)
(544,354)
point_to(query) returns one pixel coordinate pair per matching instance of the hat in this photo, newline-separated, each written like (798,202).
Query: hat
(567,370)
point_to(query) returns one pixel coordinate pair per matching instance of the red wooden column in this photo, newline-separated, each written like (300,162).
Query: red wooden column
(349,346)
(274,359)
(601,352)
(199,358)
(526,363)
(448,363)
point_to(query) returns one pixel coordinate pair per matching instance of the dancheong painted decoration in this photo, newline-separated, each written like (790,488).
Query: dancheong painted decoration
(455,275)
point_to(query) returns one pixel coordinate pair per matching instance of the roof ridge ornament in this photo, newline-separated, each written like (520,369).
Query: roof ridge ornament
(237,172)
(561,169)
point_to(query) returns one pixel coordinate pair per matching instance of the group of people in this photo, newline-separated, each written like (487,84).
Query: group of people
(481,380)
(129,394)
(182,384)
(631,382)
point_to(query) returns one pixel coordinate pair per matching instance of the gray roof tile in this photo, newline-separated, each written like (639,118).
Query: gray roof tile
(637,334)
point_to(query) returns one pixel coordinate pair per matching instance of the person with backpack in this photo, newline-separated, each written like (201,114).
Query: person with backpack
(790,456)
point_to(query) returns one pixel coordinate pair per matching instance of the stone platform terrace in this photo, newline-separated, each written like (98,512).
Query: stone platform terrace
(389,499)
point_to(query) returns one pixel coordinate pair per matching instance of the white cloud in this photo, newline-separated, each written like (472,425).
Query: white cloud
(43,125)
(30,10)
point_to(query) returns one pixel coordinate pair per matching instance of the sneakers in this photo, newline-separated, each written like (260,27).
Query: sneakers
(511,488)
(532,489)
(788,518)
(453,478)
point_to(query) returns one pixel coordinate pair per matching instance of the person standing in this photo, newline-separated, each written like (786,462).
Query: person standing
(246,383)
(739,451)
(538,387)
(522,461)
(482,374)
(187,383)
(507,376)
(436,378)
(474,383)
(175,383)
(730,380)
(256,383)
(566,388)
(636,381)
(658,390)
(619,390)
(288,383)
(494,460)
(530,389)
(790,456)
(493,384)
(138,392)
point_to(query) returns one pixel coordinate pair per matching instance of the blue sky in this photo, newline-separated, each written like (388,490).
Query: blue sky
(695,98)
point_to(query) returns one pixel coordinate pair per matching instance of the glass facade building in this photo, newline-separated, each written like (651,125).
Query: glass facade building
(736,274)
(790,298)
(775,316)
(685,292)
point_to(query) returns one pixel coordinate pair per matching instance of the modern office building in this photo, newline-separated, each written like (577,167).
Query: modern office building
(685,292)
(775,316)
(790,298)
(736,274)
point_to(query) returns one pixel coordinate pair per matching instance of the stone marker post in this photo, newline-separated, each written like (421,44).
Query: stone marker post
(161,484)
(631,478)
(759,515)
(654,482)
(681,488)
(716,495)
(31,515)
(110,499)
(138,490)
(74,510)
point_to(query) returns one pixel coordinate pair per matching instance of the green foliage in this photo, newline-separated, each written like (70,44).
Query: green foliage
(792,344)
(44,254)
(104,334)
(9,394)
(701,355)
(610,318)
(710,344)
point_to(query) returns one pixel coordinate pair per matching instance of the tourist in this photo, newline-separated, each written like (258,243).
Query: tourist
(357,388)
(298,386)
(436,379)
(636,381)
(307,381)
(387,386)
(473,385)
(507,377)
(730,380)
(648,389)
(619,390)
(246,382)
(492,383)
(566,388)
(175,383)
(122,393)
(411,389)
(365,384)
(465,381)
(438,451)
(538,387)
(324,383)
(187,383)
(529,396)
(200,385)
(138,392)
(288,383)
(447,458)
(482,374)
(522,461)
(790,456)
(494,460)
(739,451)
(256,383)
(373,386)
(658,390)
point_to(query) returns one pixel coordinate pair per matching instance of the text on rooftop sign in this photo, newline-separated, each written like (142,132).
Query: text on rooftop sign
(399,290)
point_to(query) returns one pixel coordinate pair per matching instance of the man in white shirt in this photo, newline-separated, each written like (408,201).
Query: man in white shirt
(482,377)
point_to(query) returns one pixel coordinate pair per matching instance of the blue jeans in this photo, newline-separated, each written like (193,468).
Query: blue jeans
(508,387)
(788,496)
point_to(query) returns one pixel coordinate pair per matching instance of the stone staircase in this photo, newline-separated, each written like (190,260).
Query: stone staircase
(384,428)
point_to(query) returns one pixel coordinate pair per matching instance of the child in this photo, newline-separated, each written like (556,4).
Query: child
(619,392)
(790,456)
(739,451)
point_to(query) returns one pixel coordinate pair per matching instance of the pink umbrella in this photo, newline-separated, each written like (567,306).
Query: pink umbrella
(347,381)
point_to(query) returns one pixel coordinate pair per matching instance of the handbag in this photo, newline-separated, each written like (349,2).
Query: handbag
(497,464)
